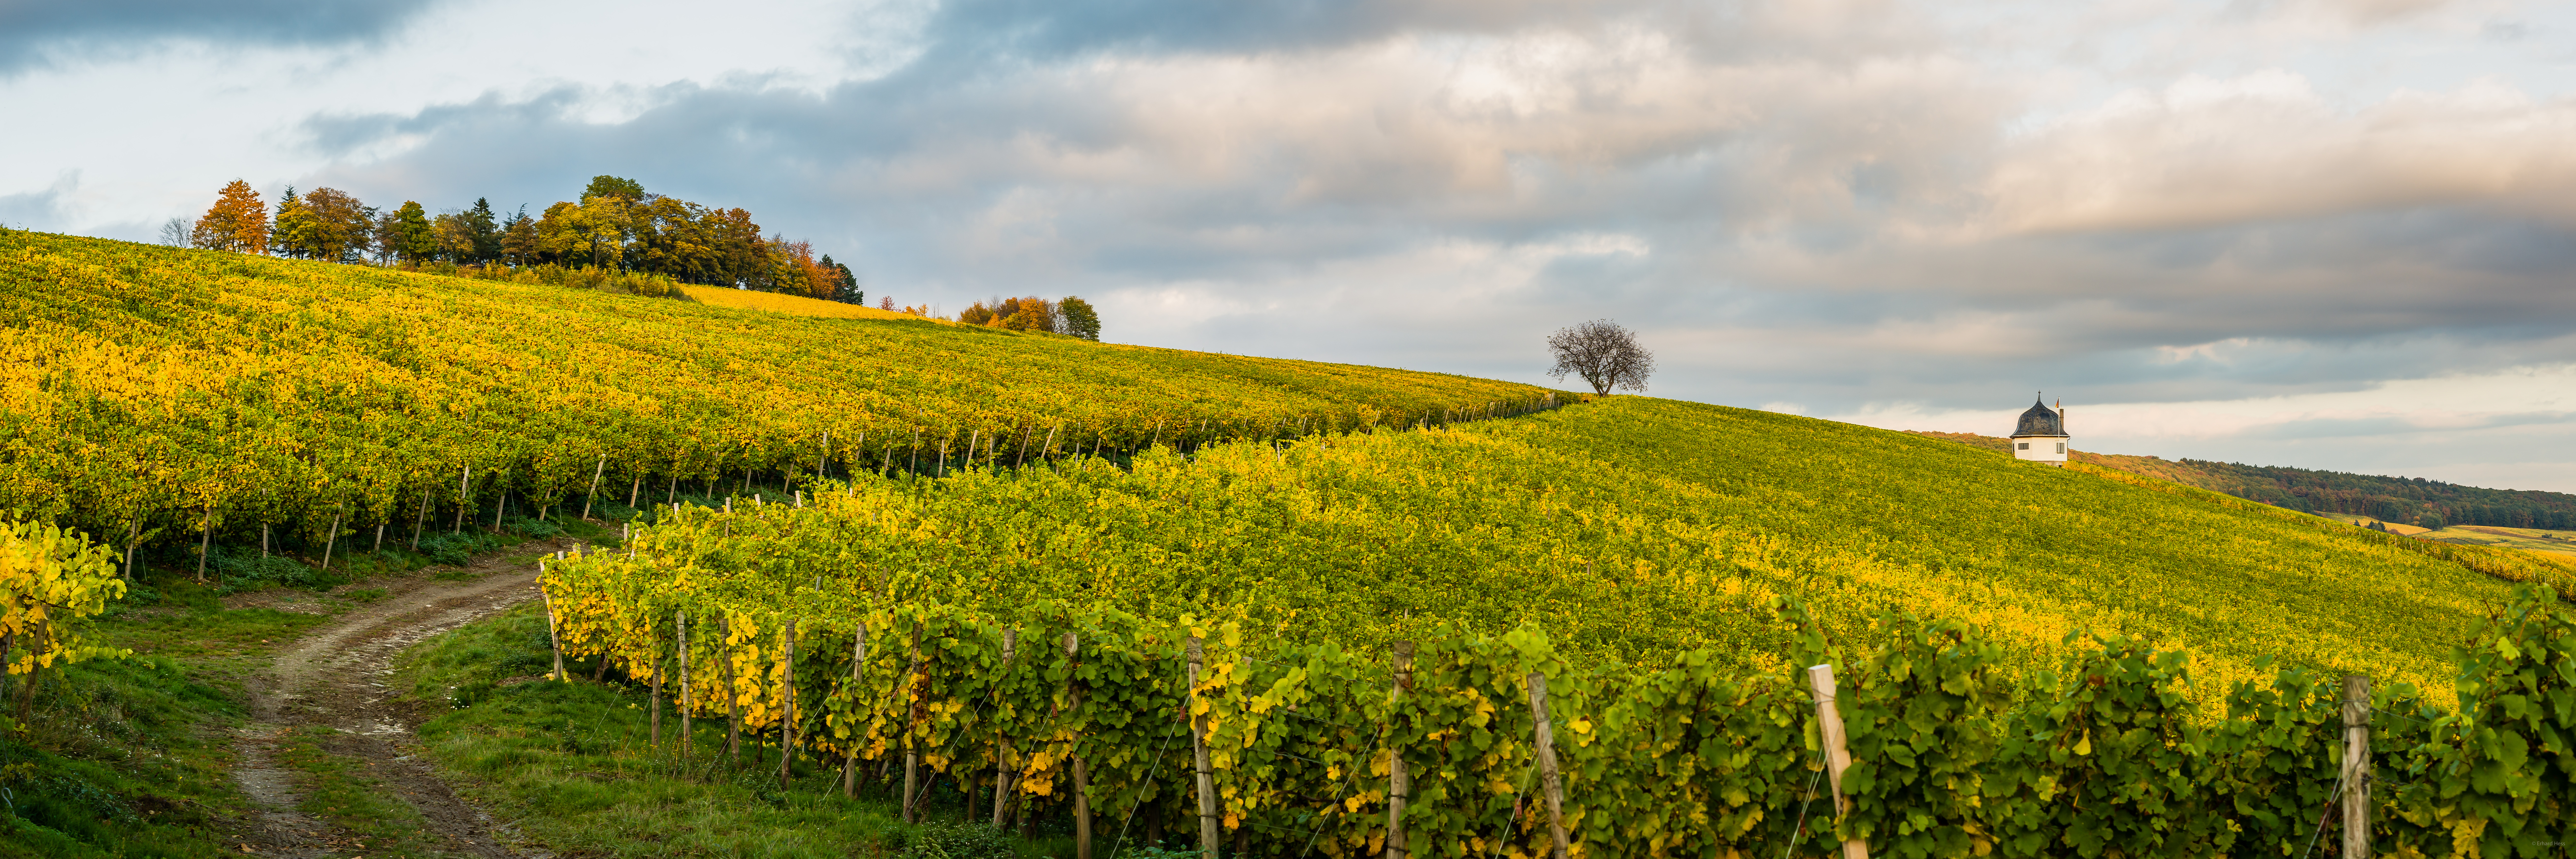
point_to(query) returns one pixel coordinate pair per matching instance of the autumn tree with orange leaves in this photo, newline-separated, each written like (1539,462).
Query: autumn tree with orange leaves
(238,222)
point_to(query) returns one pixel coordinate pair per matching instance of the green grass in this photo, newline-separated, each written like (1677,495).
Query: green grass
(338,790)
(572,763)
(132,757)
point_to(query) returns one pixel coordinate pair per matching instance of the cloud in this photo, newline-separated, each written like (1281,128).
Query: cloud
(39,210)
(1791,230)
(2266,145)
(35,33)
(1819,205)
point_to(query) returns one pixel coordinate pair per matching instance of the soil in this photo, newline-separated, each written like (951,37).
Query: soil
(336,676)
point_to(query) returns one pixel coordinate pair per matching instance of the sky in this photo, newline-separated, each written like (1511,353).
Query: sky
(2334,234)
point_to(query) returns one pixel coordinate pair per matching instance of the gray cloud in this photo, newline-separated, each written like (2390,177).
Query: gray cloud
(36,32)
(39,210)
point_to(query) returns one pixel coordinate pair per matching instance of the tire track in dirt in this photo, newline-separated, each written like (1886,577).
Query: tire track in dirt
(338,676)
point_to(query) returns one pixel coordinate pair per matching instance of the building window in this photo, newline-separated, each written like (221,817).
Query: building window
(2024,446)
(2061,447)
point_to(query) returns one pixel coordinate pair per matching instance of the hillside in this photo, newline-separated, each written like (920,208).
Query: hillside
(1326,506)
(2432,505)
(147,384)
(144,389)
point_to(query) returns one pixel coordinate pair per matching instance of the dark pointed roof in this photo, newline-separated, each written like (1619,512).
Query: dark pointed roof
(2040,420)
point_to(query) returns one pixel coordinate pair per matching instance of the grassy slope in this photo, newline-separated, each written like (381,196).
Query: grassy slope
(132,757)
(2033,551)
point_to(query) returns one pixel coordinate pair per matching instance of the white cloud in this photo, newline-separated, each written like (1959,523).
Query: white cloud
(2267,145)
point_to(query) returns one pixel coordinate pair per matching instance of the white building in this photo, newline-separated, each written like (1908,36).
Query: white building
(2041,436)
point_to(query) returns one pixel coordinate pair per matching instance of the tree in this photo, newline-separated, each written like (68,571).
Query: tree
(1604,354)
(601,225)
(292,235)
(1079,319)
(176,231)
(519,240)
(387,231)
(455,236)
(845,286)
(341,226)
(485,230)
(610,186)
(414,239)
(237,222)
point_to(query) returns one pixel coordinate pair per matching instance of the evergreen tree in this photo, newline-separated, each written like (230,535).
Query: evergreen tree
(485,230)
(414,240)
(294,233)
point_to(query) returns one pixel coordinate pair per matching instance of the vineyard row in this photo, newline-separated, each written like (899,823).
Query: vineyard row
(1435,745)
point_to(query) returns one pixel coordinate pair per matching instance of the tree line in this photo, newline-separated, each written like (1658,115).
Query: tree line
(616,225)
(1068,315)
(2409,500)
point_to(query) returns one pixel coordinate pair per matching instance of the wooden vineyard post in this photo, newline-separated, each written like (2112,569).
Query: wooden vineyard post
(331,540)
(787,710)
(1197,653)
(1002,763)
(205,538)
(1399,784)
(593,494)
(419,517)
(378,549)
(1081,774)
(553,640)
(850,756)
(686,735)
(1829,728)
(462,479)
(823,458)
(1546,742)
(911,715)
(656,741)
(632,490)
(733,698)
(2356,767)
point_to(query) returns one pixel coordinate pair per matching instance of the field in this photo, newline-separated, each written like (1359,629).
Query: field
(792,305)
(1305,518)
(2525,539)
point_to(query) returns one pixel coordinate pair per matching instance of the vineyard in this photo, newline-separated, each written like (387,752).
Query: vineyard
(177,398)
(1084,631)
(1052,571)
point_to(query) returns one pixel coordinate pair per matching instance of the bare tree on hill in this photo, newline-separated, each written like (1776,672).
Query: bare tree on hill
(1604,354)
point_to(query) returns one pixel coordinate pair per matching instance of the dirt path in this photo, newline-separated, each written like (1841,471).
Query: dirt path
(336,676)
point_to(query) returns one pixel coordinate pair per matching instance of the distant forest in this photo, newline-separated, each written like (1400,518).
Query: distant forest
(2404,500)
